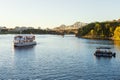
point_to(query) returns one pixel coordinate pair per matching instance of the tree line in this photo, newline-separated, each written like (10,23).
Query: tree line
(101,30)
(29,31)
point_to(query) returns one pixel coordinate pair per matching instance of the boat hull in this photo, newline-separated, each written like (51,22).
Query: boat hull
(24,44)
(104,54)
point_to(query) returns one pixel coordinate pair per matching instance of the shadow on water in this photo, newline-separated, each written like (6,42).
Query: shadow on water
(24,48)
(24,51)
(102,42)
(105,58)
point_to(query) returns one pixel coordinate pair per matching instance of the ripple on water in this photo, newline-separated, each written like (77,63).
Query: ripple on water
(57,58)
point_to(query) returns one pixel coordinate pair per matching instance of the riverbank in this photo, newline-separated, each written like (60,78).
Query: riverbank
(96,37)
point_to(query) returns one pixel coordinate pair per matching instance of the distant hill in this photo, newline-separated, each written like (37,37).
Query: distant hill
(70,28)
(100,30)
(76,25)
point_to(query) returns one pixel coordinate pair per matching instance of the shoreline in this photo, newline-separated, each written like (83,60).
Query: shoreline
(96,38)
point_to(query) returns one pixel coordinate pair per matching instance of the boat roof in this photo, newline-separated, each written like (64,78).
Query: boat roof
(24,35)
(103,48)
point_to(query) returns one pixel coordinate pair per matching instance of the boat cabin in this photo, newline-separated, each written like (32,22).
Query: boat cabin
(23,40)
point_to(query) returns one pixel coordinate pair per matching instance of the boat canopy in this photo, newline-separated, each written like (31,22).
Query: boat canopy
(103,48)
(24,37)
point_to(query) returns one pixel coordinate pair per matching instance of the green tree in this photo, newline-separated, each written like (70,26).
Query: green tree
(98,28)
(117,33)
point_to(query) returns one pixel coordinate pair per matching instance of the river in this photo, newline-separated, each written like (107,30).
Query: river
(58,58)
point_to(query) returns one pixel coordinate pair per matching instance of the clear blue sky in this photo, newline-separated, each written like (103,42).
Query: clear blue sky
(52,13)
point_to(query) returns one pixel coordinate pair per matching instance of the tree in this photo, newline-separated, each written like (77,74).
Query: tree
(92,32)
(98,28)
(117,33)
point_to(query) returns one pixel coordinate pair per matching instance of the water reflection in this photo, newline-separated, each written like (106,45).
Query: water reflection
(24,51)
(24,48)
(24,61)
(117,44)
(117,48)
(100,58)
(54,57)
(102,42)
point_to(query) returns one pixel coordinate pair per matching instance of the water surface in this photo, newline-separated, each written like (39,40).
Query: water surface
(58,58)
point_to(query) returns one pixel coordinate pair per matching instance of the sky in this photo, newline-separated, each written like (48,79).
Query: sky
(53,13)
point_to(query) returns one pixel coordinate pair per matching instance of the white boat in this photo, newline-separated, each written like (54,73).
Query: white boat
(24,40)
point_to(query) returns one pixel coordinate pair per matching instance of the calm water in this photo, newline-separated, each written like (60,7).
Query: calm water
(58,58)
